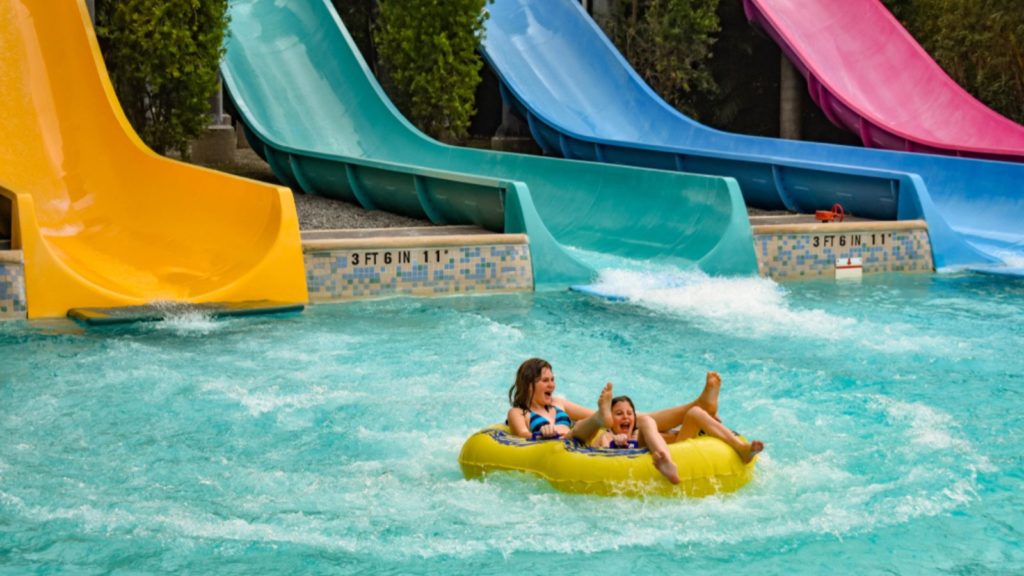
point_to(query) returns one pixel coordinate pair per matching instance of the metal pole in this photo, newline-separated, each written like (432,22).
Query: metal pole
(217,115)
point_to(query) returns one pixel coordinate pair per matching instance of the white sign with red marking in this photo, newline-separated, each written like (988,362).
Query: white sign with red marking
(849,268)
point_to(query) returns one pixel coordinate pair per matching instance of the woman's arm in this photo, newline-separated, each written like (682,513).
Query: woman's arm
(519,426)
(517,423)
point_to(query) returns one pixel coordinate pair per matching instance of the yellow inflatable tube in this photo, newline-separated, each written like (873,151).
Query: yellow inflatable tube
(706,465)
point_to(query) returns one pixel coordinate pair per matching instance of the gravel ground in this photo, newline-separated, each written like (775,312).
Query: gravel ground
(317,212)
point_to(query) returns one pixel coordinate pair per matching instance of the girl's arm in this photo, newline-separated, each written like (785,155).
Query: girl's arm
(575,411)
(517,423)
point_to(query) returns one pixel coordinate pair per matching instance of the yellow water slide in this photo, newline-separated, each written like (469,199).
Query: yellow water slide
(102,220)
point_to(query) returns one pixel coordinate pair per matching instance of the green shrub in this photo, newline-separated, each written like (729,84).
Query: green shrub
(427,50)
(668,42)
(163,57)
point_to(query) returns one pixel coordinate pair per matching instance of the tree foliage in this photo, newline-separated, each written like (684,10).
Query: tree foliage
(427,50)
(980,44)
(163,58)
(746,102)
(668,42)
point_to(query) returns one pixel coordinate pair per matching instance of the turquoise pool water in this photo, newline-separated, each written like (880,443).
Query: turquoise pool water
(326,442)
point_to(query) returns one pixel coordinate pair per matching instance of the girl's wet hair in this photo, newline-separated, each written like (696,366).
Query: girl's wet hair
(624,398)
(521,393)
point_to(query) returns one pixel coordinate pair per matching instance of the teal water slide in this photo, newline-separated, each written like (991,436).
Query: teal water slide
(314,111)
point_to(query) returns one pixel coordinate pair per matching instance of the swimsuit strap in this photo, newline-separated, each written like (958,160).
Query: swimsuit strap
(562,417)
(539,420)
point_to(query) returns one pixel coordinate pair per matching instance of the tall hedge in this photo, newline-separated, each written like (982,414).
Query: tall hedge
(427,51)
(668,42)
(163,58)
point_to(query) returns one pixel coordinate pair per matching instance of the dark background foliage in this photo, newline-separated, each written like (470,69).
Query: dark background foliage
(163,58)
(700,55)
(427,54)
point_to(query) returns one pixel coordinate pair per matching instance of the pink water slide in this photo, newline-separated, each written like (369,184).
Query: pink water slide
(870,76)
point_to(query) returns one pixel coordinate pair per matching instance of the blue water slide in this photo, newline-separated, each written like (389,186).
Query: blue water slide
(582,100)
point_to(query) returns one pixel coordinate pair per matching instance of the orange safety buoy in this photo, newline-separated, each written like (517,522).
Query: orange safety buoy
(836,214)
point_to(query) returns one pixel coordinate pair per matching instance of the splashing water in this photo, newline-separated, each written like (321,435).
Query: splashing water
(327,442)
(189,322)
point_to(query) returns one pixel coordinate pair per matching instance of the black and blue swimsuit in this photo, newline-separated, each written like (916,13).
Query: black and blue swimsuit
(537,421)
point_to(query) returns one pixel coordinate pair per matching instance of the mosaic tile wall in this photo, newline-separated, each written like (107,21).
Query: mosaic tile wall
(344,274)
(12,289)
(792,256)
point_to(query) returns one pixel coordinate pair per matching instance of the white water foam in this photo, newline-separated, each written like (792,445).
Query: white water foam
(930,429)
(1012,259)
(271,399)
(976,308)
(433,515)
(187,523)
(189,322)
(501,332)
(755,307)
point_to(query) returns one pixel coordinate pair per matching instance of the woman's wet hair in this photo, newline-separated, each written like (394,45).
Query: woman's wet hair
(521,393)
(625,398)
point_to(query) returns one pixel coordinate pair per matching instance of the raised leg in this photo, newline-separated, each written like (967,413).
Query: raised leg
(650,437)
(669,418)
(585,429)
(708,399)
(697,419)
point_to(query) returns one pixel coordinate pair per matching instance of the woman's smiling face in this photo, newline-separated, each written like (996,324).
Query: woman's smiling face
(623,418)
(544,388)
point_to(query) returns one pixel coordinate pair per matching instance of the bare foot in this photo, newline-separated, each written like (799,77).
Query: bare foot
(708,399)
(751,450)
(604,405)
(663,462)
